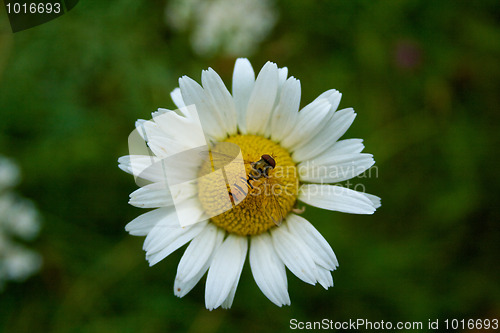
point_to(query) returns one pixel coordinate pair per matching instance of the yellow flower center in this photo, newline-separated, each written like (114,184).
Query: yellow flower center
(243,198)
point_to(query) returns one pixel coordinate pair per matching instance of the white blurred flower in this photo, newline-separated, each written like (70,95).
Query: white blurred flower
(9,173)
(19,220)
(231,27)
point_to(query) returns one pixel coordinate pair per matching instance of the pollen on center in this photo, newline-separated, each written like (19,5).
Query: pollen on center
(237,204)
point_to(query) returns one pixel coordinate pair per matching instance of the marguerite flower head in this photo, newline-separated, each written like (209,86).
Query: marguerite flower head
(226,172)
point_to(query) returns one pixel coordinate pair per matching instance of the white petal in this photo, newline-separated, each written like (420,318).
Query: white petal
(325,137)
(124,163)
(220,98)
(196,259)
(142,225)
(181,288)
(376,201)
(324,277)
(193,93)
(295,254)
(347,146)
(169,239)
(332,96)
(268,270)
(150,128)
(225,270)
(285,114)
(163,146)
(142,166)
(310,119)
(321,251)
(176,96)
(282,75)
(334,168)
(336,198)
(151,196)
(198,252)
(160,144)
(190,211)
(157,238)
(183,167)
(261,102)
(139,126)
(243,82)
(228,302)
(184,130)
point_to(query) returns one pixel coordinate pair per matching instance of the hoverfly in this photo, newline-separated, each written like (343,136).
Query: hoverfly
(258,177)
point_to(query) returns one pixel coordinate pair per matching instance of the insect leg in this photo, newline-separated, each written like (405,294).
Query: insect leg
(299,210)
(248,181)
(231,197)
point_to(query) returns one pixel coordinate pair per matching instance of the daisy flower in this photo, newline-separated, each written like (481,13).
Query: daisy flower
(289,156)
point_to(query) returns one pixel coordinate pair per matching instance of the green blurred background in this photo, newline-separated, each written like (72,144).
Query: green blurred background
(423,77)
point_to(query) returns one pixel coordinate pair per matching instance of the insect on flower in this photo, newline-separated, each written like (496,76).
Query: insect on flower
(258,180)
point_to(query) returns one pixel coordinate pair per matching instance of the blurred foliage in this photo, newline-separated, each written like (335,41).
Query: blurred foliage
(423,77)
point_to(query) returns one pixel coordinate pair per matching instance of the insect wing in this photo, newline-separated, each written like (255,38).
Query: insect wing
(274,209)
(238,189)
(226,159)
(223,154)
(278,216)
